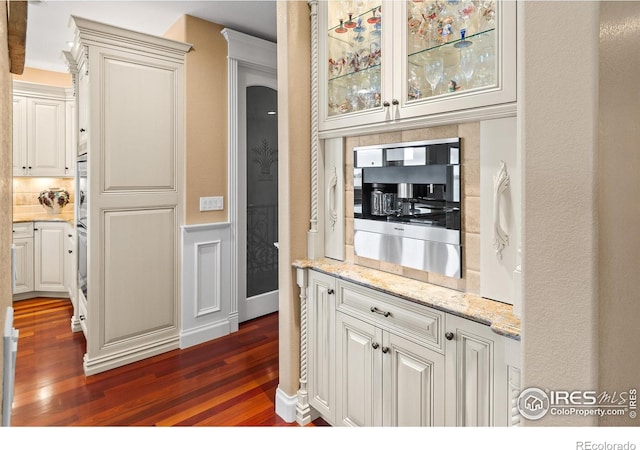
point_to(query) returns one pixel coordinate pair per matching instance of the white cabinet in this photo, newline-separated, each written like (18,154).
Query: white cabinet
(476,375)
(135,190)
(321,344)
(374,57)
(83,108)
(384,379)
(23,241)
(44,259)
(49,256)
(500,213)
(19,135)
(373,359)
(42,130)
(70,266)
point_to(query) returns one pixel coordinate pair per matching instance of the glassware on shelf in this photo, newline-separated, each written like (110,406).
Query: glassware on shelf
(467,64)
(434,72)
(354,55)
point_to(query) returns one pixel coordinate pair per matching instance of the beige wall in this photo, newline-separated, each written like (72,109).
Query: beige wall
(619,215)
(558,121)
(6,128)
(205,116)
(470,135)
(294,168)
(45,77)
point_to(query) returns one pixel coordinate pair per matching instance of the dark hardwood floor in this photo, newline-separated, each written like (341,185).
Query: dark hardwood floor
(230,381)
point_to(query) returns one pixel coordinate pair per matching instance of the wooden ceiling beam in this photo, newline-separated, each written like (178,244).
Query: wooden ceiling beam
(17,34)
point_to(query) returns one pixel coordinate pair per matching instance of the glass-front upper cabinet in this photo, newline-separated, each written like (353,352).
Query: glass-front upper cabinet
(415,60)
(354,52)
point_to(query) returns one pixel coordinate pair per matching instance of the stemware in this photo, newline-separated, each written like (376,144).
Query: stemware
(434,73)
(467,64)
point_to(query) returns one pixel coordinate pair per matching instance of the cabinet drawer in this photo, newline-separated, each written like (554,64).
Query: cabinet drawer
(411,320)
(22,230)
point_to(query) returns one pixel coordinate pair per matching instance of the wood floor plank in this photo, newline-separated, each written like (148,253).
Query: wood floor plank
(230,381)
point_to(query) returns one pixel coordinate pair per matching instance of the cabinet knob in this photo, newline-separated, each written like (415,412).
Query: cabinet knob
(375,345)
(70,251)
(395,102)
(69,235)
(385,349)
(81,317)
(385,104)
(24,167)
(449,335)
(330,291)
(29,167)
(82,130)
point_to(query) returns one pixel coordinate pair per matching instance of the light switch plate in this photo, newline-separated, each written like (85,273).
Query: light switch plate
(211,203)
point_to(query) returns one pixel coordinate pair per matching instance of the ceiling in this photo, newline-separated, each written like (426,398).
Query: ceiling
(48,21)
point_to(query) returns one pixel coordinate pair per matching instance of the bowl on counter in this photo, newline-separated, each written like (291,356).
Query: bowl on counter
(53,199)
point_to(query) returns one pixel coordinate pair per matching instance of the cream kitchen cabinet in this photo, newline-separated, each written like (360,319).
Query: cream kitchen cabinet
(44,265)
(372,359)
(321,344)
(135,190)
(49,256)
(23,241)
(41,134)
(375,58)
(384,379)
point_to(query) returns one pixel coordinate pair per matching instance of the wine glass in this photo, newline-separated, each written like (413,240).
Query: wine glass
(434,73)
(467,64)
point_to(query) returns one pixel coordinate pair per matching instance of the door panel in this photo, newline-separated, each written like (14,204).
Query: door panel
(359,372)
(414,384)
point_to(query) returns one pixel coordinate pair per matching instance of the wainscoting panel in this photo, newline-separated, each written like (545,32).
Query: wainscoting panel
(207,308)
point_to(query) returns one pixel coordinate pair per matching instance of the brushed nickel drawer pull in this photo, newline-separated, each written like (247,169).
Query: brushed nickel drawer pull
(378,311)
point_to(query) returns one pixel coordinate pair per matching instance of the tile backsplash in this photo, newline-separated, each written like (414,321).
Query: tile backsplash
(27,189)
(470,136)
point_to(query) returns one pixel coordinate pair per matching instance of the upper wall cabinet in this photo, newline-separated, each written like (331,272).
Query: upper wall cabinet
(390,63)
(41,131)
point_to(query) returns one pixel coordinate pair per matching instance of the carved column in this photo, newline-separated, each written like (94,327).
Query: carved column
(314,245)
(303,410)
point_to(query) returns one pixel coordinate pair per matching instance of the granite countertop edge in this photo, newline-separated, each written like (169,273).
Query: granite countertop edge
(497,315)
(44,217)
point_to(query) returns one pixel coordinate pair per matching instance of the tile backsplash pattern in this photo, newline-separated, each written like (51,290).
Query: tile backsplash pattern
(27,189)
(470,137)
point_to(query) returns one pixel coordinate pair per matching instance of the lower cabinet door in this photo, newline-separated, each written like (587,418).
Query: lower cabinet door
(49,256)
(413,384)
(475,377)
(24,265)
(359,372)
(321,344)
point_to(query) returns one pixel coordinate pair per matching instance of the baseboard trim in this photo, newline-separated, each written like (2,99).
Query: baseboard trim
(198,335)
(111,361)
(286,405)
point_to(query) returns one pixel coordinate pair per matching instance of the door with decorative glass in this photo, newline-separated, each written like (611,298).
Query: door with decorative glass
(258,196)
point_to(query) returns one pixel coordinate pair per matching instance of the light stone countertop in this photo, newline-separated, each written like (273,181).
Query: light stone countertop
(63,216)
(497,315)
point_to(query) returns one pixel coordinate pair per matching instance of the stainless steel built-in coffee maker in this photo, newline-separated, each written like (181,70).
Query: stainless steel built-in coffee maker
(407,205)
